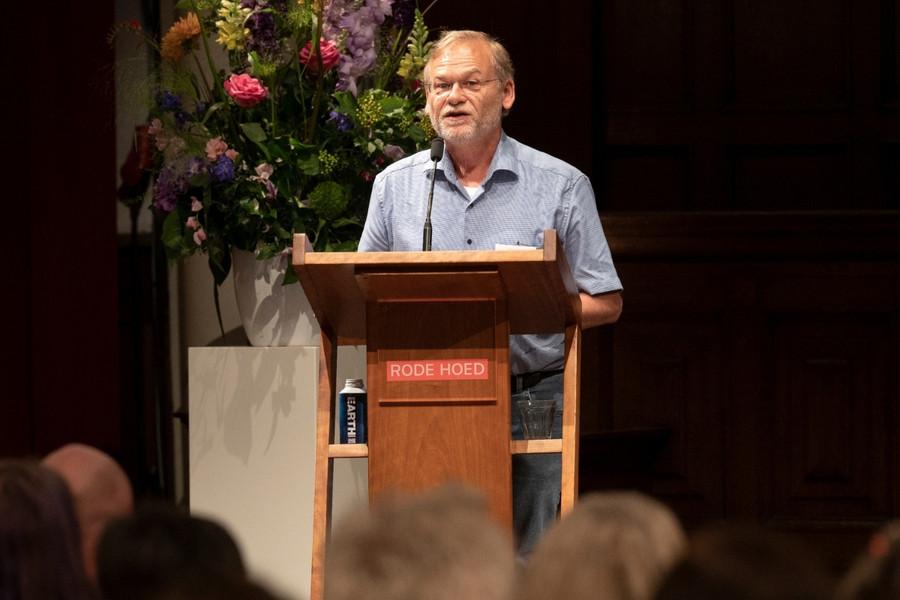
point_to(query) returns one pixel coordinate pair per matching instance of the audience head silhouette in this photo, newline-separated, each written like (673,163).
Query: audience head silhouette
(612,546)
(100,489)
(188,587)
(160,548)
(39,537)
(441,545)
(739,562)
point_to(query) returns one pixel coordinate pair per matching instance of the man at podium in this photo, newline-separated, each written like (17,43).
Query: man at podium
(491,191)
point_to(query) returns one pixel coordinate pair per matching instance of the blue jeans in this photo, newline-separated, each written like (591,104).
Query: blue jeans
(536,477)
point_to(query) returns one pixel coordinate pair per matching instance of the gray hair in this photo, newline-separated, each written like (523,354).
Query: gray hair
(613,545)
(440,545)
(500,59)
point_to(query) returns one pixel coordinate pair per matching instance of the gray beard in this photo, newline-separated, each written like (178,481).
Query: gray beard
(470,133)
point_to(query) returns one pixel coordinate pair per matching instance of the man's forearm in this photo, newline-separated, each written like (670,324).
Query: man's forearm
(600,309)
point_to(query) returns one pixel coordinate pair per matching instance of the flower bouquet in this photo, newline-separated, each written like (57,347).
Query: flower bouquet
(314,98)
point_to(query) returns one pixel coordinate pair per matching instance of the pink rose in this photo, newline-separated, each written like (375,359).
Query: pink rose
(263,171)
(215,148)
(196,205)
(232,154)
(192,223)
(330,55)
(199,237)
(246,90)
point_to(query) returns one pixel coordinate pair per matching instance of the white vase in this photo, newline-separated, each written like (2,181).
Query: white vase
(272,314)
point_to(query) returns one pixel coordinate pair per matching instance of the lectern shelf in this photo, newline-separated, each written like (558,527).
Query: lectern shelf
(515,447)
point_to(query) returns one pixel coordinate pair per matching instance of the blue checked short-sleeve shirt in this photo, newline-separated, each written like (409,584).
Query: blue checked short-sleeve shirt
(525,192)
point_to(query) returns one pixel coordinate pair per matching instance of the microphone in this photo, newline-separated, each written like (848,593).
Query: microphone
(437,153)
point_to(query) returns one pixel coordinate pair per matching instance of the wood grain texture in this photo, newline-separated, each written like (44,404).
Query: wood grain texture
(323,471)
(571,431)
(542,295)
(348,450)
(422,434)
(551,446)
(411,306)
(462,329)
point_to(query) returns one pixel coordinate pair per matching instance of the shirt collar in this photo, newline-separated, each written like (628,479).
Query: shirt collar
(504,160)
(504,157)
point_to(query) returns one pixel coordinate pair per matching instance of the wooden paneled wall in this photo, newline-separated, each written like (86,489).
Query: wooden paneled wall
(732,105)
(748,182)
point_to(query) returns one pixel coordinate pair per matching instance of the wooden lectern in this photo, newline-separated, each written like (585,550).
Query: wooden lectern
(436,327)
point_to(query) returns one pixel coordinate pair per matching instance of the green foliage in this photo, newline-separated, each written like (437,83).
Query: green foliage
(417,49)
(329,199)
(294,151)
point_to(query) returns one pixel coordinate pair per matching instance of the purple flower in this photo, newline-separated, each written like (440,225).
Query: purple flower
(381,9)
(262,32)
(222,170)
(261,4)
(168,188)
(341,121)
(279,5)
(360,26)
(271,190)
(167,100)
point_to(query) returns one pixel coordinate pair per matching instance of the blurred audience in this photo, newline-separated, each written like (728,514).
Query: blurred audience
(160,550)
(876,574)
(40,554)
(738,562)
(441,545)
(189,587)
(101,491)
(72,516)
(614,546)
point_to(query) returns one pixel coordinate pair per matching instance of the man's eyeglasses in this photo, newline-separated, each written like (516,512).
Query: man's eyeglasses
(441,88)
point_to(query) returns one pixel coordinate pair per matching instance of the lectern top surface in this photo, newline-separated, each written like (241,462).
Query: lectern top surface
(536,284)
(467,257)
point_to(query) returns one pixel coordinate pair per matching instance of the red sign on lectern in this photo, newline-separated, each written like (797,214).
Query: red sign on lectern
(454,369)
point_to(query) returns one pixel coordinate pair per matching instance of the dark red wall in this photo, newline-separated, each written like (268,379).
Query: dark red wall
(59,236)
